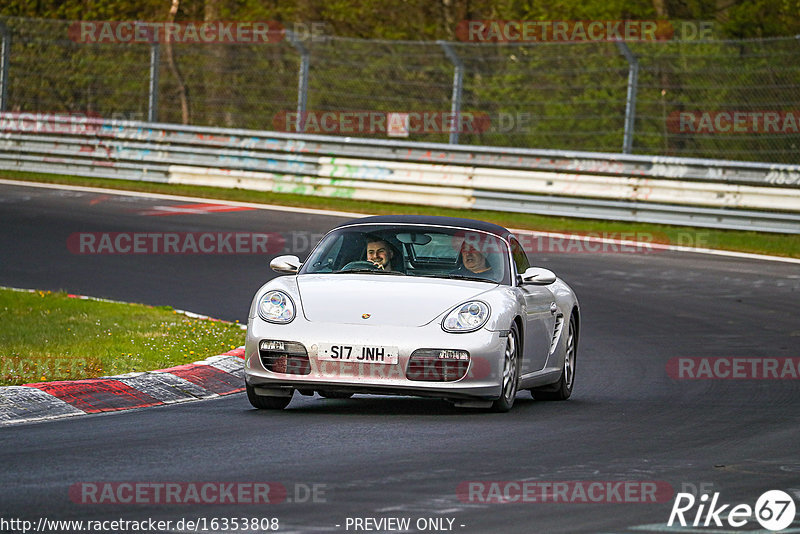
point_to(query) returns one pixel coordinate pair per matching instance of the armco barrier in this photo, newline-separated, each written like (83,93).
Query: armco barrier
(706,193)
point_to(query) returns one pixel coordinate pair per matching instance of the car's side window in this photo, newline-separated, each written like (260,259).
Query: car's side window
(519,256)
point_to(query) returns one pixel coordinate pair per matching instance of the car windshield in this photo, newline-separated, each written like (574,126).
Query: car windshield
(412,250)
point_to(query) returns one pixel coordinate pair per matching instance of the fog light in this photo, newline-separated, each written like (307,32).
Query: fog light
(267,344)
(437,365)
(288,357)
(454,355)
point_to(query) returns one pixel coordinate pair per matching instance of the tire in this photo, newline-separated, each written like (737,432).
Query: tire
(510,377)
(334,394)
(562,389)
(266,403)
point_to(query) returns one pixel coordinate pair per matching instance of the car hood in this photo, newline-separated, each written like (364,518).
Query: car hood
(388,299)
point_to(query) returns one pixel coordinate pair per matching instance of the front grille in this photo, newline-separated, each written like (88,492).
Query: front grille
(288,357)
(437,365)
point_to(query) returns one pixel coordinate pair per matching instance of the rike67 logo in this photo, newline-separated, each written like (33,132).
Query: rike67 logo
(774,511)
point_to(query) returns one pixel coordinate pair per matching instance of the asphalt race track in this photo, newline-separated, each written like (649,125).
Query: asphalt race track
(374,457)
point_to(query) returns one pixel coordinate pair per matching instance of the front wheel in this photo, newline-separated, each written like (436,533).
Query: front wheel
(266,403)
(562,389)
(510,372)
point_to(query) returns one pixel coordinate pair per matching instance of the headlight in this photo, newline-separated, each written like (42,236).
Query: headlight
(466,317)
(276,307)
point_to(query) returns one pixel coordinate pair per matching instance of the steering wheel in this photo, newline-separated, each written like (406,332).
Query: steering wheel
(358,265)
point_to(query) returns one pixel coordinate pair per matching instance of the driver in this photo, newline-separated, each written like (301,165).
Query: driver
(380,253)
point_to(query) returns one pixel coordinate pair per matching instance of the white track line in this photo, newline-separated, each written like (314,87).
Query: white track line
(657,246)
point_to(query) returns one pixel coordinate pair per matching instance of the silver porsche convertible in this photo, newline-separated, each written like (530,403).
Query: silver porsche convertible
(412,305)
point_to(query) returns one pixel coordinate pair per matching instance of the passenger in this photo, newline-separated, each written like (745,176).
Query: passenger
(474,263)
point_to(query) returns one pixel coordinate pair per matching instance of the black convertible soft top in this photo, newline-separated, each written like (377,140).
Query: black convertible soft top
(432,220)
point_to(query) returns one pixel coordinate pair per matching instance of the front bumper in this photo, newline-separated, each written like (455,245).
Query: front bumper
(481,381)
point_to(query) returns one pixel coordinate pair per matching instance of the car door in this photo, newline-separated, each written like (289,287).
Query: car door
(537,313)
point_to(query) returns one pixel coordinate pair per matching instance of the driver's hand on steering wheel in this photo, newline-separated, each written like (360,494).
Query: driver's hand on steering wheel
(378,265)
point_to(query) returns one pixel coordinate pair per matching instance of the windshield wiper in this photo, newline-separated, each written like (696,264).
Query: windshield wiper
(376,271)
(459,277)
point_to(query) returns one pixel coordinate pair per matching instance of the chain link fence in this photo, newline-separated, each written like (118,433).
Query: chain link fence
(714,99)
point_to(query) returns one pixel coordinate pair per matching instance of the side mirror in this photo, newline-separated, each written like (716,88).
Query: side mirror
(538,276)
(286,264)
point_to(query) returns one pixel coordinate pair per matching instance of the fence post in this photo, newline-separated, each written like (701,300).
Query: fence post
(458,81)
(630,101)
(155,65)
(302,81)
(5,55)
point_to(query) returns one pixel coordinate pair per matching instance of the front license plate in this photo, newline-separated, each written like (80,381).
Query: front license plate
(357,353)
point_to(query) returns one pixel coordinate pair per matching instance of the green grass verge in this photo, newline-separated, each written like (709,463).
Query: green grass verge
(755,242)
(50,336)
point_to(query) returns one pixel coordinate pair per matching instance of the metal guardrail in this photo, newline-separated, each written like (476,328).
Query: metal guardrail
(693,192)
